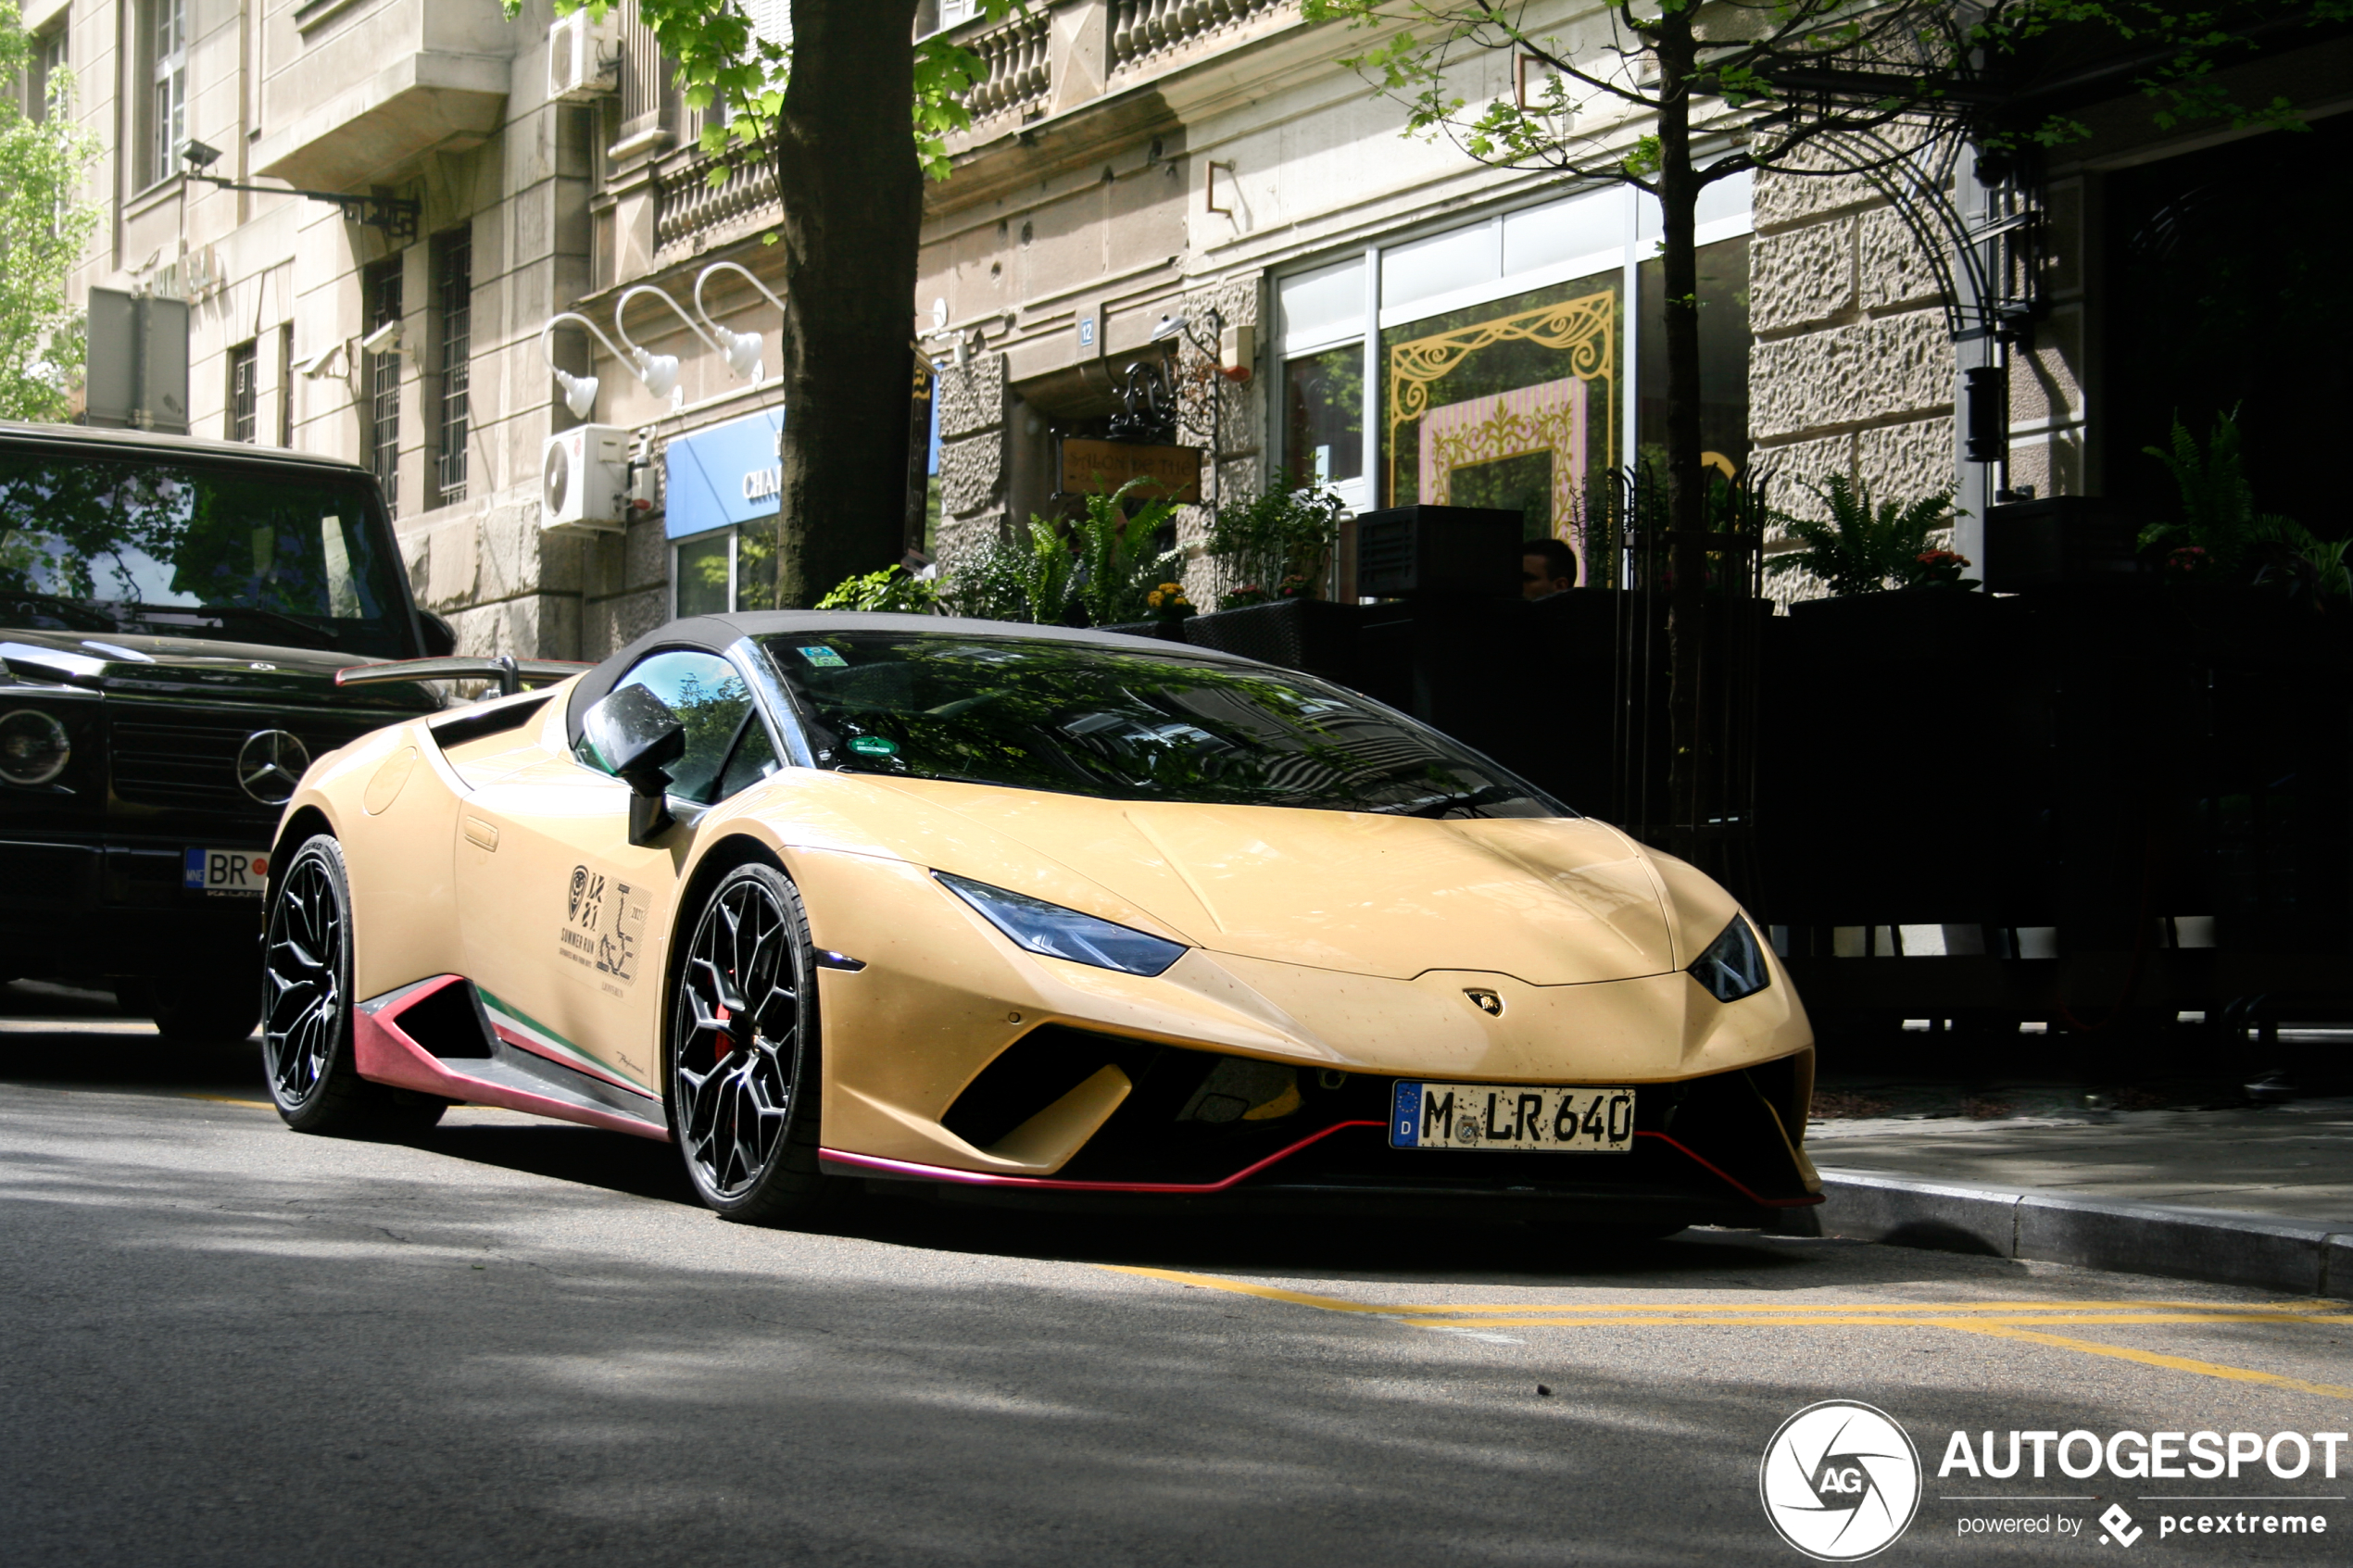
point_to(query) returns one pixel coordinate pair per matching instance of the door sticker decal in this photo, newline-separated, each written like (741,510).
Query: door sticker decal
(604,924)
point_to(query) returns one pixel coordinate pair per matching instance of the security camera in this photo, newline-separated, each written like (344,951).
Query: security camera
(317,366)
(383,340)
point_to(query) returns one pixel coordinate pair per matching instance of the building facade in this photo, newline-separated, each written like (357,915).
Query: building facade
(1183,211)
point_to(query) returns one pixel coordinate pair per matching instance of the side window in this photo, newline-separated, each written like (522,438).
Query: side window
(722,731)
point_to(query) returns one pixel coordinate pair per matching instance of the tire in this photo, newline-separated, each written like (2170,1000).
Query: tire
(307,1024)
(744,1111)
(207,1009)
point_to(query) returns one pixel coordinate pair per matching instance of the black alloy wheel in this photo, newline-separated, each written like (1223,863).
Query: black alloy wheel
(307,1016)
(743,1052)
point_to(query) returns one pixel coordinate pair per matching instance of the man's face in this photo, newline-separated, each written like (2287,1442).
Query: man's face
(1536,578)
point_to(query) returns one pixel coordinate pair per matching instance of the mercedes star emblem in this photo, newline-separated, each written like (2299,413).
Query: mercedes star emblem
(269,764)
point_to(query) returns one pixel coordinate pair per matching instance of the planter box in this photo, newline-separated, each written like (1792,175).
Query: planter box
(1160,631)
(1315,635)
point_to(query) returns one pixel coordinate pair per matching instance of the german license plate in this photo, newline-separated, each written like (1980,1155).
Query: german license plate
(225,870)
(1513,1117)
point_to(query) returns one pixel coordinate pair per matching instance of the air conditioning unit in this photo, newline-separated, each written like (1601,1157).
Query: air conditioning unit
(584,57)
(583,480)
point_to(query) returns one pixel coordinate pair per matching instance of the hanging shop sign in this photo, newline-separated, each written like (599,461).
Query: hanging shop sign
(1098,468)
(725,475)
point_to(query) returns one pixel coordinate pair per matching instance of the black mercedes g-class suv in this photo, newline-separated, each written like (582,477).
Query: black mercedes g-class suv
(173,614)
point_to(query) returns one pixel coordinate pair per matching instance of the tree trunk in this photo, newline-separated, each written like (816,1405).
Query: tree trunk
(853,195)
(1686,500)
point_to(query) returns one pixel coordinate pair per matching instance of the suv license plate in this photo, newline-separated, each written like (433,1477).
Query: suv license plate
(1513,1117)
(226,870)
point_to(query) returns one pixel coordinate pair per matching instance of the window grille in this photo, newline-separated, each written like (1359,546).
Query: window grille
(383,303)
(453,284)
(285,385)
(244,394)
(48,59)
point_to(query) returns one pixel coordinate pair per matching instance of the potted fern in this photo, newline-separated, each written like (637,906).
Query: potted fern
(1866,548)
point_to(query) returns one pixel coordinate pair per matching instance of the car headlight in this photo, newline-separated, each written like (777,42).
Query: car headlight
(1733,965)
(1040,927)
(33,748)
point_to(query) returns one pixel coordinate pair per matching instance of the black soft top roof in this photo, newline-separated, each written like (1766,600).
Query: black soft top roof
(718,633)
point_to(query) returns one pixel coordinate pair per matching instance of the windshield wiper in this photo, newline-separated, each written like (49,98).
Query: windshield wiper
(304,633)
(1468,800)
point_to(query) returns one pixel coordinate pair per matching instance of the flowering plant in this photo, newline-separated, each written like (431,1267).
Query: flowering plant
(1936,566)
(1168,602)
(1294,586)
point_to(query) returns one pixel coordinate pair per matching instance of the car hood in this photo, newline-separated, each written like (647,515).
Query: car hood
(1548,901)
(196,669)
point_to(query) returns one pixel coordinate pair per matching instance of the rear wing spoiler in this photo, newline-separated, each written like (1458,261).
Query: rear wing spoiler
(512,673)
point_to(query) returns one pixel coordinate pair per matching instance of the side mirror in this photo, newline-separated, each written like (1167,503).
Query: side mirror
(636,735)
(441,638)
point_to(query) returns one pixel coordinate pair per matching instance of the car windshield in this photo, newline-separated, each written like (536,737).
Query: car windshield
(249,555)
(1081,719)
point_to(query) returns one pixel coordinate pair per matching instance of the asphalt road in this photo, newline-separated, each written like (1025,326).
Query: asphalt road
(513,1343)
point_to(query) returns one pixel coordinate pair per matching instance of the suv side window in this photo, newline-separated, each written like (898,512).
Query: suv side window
(722,721)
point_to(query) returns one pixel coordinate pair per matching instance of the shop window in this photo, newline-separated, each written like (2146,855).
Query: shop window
(1324,416)
(1442,264)
(1319,306)
(702,575)
(1512,404)
(1723,356)
(734,569)
(244,393)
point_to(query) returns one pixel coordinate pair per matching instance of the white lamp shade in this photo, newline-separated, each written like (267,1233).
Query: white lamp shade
(580,393)
(659,370)
(743,354)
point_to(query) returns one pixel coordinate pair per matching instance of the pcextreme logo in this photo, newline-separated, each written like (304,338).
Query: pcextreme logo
(1840,1481)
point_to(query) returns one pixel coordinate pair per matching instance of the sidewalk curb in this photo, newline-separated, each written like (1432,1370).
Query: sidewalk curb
(2225,1246)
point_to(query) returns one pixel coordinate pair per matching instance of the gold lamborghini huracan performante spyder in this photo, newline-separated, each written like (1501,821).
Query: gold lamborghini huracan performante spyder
(1022,913)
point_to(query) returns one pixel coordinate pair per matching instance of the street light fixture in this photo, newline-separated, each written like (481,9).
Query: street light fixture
(660,372)
(580,392)
(743,349)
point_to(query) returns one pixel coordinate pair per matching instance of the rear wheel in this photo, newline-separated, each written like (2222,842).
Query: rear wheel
(743,1052)
(200,1010)
(306,1023)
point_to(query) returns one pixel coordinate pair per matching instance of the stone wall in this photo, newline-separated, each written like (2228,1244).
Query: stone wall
(972,455)
(1852,371)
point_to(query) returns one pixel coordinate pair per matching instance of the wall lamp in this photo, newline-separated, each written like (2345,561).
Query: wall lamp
(743,349)
(580,392)
(659,372)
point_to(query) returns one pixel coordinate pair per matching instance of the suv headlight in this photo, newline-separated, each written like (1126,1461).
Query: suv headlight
(33,747)
(1040,927)
(1733,965)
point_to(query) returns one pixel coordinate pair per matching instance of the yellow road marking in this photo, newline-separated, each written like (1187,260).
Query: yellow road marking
(1930,1315)
(231,1100)
(1870,1316)
(2152,1357)
(1266,1292)
(1338,1304)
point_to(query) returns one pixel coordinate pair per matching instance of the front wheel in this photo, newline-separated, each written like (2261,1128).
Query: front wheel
(306,1016)
(743,1052)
